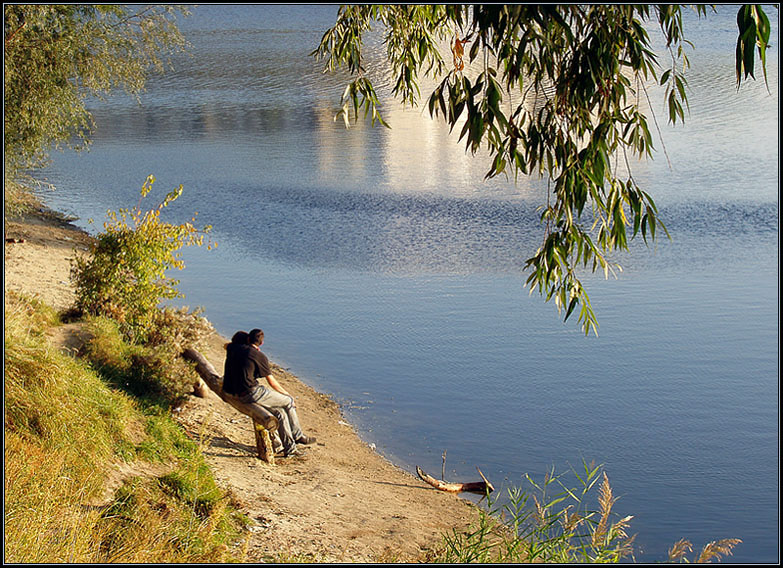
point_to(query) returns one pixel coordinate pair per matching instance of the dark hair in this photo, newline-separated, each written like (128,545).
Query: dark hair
(240,337)
(255,337)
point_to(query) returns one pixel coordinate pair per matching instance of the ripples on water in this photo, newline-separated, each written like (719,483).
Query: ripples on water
(412,234)
(388,273)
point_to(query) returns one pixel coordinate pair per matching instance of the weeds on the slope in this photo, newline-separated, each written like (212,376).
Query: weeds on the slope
(65,430)
(152,372)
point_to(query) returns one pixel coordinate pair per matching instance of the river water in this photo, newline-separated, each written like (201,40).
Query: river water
(386,272)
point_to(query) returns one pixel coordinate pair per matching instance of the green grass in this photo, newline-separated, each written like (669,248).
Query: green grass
(67,428)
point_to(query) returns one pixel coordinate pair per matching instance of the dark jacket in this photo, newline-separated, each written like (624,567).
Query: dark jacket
(244,365)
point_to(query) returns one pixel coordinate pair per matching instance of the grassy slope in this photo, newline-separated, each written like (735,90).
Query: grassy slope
(68,433)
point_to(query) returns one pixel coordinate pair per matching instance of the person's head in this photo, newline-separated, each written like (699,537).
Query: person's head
(240,337)
(255,337)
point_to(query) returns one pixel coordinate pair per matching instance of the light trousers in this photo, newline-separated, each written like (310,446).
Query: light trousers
(284,409)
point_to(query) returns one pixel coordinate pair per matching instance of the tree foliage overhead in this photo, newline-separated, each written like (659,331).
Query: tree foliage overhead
(557,91)
(56,55)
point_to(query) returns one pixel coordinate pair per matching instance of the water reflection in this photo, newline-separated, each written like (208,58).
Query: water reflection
(379,232)
(371,249)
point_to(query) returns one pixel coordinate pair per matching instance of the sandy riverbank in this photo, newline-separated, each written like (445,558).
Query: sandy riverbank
(342,502)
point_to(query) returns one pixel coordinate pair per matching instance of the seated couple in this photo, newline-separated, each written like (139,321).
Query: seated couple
(245,364)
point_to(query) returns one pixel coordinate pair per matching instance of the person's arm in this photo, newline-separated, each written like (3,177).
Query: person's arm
(275,385)
(263,370)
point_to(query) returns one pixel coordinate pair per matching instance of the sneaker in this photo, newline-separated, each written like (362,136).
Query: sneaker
(295,453)
(306,440)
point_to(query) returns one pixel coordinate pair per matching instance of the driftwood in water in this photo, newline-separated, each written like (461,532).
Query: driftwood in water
(263,420)
(480,487)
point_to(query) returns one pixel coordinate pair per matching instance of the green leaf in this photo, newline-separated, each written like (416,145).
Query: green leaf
(568,74)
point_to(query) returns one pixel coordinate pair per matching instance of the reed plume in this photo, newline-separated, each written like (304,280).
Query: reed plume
(717,548)
(570,520)
(606,501)
(712,550)
(540,514)
(679,550)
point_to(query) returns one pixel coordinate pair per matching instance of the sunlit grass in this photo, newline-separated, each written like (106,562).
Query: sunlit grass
(66,430)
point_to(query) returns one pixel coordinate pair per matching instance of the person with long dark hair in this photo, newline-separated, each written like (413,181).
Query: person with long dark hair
(245,365)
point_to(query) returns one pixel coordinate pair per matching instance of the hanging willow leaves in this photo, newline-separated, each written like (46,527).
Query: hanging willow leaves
(558,93)
(57,55)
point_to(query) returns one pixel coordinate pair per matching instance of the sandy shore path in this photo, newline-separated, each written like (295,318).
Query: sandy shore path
(341,502)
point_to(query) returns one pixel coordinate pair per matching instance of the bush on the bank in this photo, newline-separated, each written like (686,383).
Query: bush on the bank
(65,432)
(124,277)
(18,199)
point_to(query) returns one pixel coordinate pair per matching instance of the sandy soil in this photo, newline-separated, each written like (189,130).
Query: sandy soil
(341,502)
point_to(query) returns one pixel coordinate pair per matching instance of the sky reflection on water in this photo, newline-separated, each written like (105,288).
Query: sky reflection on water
(387,272)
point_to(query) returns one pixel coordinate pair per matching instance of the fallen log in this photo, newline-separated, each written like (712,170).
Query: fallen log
(207,373)
(264,421)
(480,487)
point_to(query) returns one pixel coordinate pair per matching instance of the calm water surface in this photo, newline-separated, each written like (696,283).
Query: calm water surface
(386,272)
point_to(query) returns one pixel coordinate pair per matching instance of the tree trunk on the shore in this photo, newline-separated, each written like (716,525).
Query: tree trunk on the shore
(207,373)
(263,420)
